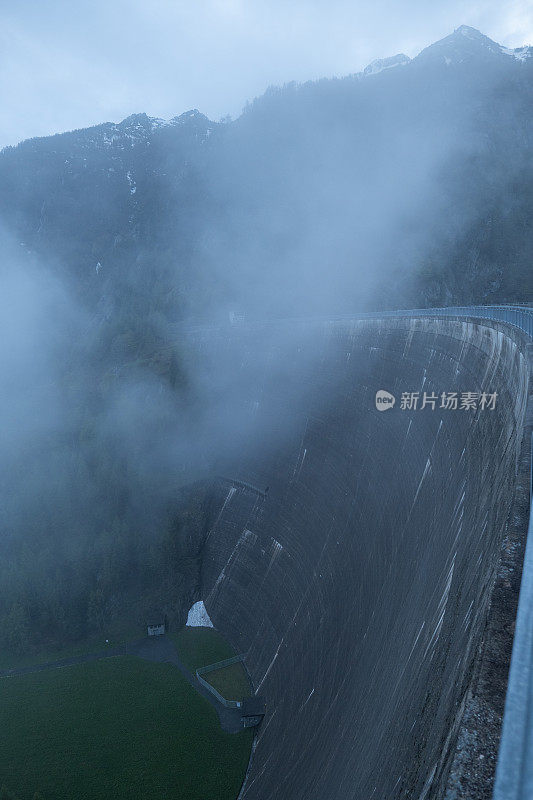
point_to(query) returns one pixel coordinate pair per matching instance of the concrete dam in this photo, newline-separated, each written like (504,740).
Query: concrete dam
(353,552)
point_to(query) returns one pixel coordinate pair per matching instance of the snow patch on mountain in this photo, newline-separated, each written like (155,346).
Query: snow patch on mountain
(157,123)
(380,64)
(137,129)
(131,182)
(520,53)
(470,33)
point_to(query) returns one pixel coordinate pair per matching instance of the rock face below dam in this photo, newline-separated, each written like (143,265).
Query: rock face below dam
(352,551)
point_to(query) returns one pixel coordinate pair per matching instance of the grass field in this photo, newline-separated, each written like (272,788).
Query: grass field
(199,647)
(91,645)
(120,728)
(231,681)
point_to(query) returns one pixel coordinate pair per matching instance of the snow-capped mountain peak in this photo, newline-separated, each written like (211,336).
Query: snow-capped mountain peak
(469,33)
(467,44)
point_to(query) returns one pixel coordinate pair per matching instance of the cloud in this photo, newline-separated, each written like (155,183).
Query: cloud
(517,23)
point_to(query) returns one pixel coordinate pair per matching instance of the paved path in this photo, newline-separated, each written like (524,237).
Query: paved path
(160,649)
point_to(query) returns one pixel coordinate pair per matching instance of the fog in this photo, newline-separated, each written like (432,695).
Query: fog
(103,474)
(141,329)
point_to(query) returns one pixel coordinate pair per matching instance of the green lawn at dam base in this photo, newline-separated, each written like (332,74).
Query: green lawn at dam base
(200,647)
(231,681)
(50,653)
(119,727)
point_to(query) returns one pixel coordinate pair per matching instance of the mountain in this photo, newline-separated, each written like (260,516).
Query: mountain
(464,45)
(467,44)
(408,183)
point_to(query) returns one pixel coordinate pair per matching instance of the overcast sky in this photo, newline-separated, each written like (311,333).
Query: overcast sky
(66,65)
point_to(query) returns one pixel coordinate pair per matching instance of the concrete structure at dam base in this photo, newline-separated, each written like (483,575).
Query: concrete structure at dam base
(373,587)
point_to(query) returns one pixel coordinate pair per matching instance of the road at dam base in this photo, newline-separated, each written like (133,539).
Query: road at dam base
(358,585)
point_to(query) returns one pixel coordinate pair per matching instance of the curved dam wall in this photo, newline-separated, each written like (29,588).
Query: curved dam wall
(358,583)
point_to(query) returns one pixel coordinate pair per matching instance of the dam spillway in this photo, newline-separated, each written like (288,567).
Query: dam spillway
(358,585)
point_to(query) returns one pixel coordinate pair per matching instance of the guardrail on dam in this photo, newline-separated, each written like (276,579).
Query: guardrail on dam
(218,665)
(358,587)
